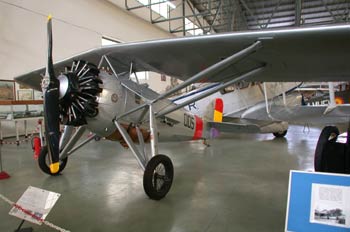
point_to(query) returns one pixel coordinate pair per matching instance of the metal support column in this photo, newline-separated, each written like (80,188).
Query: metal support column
(1,135)
(17,132)
(3,174)
(25,129)
(297,12)
(184,17)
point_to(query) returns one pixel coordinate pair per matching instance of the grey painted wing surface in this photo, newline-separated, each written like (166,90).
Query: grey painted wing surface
(302,54)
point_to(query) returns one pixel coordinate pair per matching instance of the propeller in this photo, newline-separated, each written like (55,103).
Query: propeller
(50,86)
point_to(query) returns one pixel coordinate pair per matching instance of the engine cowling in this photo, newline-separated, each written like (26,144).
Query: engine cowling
(93,97)
(78,93)
(111,101)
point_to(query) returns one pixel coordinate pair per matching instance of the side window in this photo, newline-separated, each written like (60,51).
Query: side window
(242,84)
(228,89)
(231,88)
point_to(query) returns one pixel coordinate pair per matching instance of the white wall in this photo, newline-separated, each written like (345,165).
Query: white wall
(77,26)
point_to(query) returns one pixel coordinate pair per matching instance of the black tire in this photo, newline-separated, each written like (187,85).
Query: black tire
(280,134)
(159,171)
(323,140)
(44,162)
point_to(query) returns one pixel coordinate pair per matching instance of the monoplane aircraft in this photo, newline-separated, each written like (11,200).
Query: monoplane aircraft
(93,90)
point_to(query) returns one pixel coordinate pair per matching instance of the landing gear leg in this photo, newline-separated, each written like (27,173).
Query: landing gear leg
(158,170)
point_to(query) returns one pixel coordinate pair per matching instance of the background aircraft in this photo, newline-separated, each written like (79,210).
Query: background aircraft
(93,90)
(246,103)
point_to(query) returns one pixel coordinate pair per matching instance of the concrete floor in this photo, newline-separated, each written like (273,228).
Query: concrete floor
(237,184)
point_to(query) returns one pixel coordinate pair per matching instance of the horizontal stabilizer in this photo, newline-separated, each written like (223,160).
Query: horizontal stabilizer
(238,125)
(228,127)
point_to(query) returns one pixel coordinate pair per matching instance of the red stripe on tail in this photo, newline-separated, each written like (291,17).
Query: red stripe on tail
(199,128)
(219,105)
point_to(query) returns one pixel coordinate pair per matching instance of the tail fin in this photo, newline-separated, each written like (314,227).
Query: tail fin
(218,110)
(214,110)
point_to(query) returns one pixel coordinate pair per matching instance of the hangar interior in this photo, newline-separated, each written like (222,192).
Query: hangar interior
(238,183)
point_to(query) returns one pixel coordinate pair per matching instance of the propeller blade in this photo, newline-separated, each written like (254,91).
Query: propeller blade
(49,66)
(51,109)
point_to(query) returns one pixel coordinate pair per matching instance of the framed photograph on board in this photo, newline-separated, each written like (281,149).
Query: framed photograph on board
(25,94)
(21,86)
(38,95)
(7,90)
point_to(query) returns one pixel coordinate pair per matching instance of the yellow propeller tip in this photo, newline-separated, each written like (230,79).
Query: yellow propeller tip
(49,17)
(54,168)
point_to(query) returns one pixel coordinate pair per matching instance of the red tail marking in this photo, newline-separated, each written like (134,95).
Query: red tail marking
(219,105)
(199,128)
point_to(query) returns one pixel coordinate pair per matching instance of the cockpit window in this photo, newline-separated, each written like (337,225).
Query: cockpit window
(239,85)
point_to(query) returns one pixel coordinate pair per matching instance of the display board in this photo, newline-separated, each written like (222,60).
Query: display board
(34,205)
(318,202)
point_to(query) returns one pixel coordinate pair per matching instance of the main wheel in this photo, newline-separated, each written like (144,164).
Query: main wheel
(44,162)
(158,177)
(280,134)
(328,134)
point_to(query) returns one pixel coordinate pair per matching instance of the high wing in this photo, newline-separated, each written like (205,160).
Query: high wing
(296,54)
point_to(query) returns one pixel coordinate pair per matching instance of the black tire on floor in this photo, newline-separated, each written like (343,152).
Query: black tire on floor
(280,134)
(43,162)
(158,177)
(323,140)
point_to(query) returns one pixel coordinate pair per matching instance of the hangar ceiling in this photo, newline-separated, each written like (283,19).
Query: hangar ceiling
(215,16)
(257,14)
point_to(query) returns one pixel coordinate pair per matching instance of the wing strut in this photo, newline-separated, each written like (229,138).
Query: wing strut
(214,90)
(214,69)
(206,73)
(331,106)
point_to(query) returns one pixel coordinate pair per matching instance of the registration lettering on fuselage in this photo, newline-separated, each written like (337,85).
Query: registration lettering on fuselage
(189,121)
